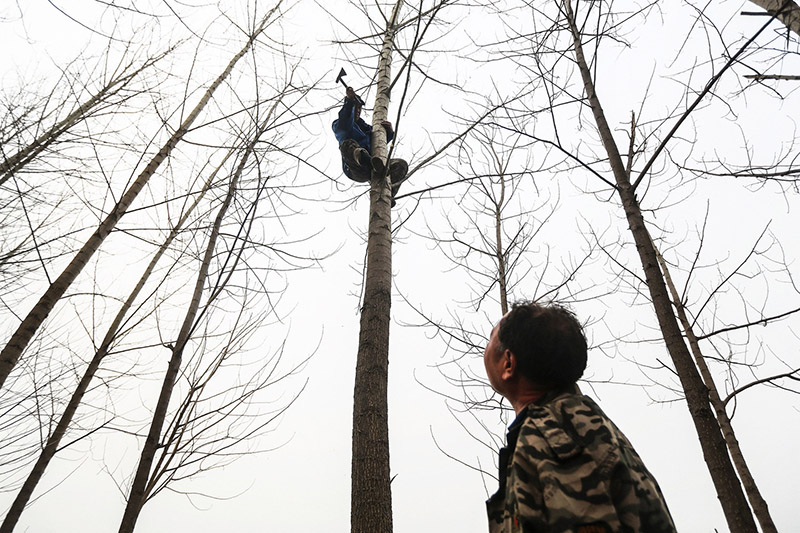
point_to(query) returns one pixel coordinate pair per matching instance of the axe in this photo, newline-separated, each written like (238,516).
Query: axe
(341,75)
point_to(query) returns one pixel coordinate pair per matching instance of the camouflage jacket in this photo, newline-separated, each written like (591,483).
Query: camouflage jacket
(568,468)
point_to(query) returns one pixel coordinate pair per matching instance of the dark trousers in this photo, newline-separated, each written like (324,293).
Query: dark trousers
(358,172)
(363,173)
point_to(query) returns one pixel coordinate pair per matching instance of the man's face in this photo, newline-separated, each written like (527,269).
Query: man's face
(492,360)
(357,112)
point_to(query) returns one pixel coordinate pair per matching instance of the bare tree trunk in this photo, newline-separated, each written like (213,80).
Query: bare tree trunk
(757,502)
(26,330)
(51,447)
(500,253)
(788,12)
(723,475)
(138,494)
(371,496)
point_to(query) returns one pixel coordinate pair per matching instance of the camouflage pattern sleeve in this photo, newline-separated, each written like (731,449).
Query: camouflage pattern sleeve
(573,471)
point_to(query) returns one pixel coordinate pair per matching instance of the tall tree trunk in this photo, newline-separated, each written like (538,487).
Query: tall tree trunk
(371,496)
(715,453)
(757,502)
(26,330)
(51,447)
(500,253)
(138,494)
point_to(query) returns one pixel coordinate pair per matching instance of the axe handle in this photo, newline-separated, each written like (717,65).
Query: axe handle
(360,101)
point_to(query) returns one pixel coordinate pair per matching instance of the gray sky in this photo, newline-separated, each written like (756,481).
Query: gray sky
(302,482)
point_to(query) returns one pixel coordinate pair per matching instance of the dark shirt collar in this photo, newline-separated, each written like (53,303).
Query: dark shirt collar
(506,453)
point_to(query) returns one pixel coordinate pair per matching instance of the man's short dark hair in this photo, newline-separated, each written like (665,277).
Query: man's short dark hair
(547,341)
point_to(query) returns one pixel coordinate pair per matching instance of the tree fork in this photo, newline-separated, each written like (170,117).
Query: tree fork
(729,489)
(757,502)
(371,496)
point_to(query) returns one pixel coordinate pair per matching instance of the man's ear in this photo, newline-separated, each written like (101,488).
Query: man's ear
(509,368)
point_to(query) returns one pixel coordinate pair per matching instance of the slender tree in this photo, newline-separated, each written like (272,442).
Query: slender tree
(140,488)
(503,243)
(729,490)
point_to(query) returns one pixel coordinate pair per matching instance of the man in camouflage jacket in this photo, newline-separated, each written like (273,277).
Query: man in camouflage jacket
(567,467)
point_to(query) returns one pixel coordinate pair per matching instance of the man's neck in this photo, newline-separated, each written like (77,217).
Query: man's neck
(526,398)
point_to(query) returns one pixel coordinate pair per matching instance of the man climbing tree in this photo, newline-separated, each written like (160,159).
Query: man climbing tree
(355,144)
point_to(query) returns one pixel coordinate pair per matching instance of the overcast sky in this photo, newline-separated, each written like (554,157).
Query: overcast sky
(301,480)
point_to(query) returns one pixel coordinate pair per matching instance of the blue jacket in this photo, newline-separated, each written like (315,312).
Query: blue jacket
(346,127)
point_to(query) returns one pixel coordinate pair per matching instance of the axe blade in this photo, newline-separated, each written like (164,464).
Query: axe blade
(341,75)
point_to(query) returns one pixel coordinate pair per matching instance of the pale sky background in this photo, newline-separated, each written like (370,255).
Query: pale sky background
(302,482)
